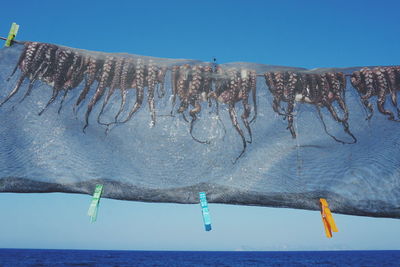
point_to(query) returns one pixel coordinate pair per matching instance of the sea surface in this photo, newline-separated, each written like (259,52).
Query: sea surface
(45,257)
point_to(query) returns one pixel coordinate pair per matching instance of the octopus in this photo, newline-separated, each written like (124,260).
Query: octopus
(282,86)
(236,88)
(320,90)
(379,82)
(191,84)
(145,75)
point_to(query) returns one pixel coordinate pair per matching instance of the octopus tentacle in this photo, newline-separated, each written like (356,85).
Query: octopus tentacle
(290,109)
(182,88)
(277,95)
(206,86)
(369,82)
(253,88)
(63,62)
(42,59)
(357,82)
(291,98)
(174,85)
(138,82)
(25,64)
(15,89)
(192,97)
(391,78)
(114,85)
(383,88)
(104,79)
(151,83)
(245,87)
(160,82)
(196,94)
(74,76)
(235,123)
(192,113)
(21,58)
(128,70)
(333,137)
(94,66)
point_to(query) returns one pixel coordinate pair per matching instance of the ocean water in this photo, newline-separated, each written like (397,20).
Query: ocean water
(45,257)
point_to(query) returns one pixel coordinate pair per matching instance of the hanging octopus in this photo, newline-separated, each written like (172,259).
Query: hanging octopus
(145,74)
(379,82)
(231,86)
(283,87)
(321,90)
(192,85)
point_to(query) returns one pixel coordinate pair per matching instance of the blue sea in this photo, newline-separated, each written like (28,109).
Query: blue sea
(45,257)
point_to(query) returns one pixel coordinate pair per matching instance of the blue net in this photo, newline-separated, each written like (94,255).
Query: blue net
(163,130)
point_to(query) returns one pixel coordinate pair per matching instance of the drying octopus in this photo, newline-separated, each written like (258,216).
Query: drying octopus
(379,82)
(191,84)
(321,90)
(231,86)
(64,69)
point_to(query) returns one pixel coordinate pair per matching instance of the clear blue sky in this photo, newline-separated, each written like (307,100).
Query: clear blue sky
(295,33)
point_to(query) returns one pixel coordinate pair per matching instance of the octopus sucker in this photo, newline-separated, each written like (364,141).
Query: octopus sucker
(115,83)
(106,72)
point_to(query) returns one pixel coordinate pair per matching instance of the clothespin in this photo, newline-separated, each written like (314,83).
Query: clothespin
(12,34)
(327,218)
(94,205)
(205,212)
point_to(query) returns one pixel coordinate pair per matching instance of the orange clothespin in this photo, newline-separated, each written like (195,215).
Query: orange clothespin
(327,219)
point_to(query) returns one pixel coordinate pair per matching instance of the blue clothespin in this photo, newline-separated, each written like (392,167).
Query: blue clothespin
(204,210)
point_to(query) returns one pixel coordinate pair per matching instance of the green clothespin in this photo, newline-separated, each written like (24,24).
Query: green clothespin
(12,34)
(94,205)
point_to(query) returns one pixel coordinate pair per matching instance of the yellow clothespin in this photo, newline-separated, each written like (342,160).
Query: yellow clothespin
(327,219)
(12,34)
